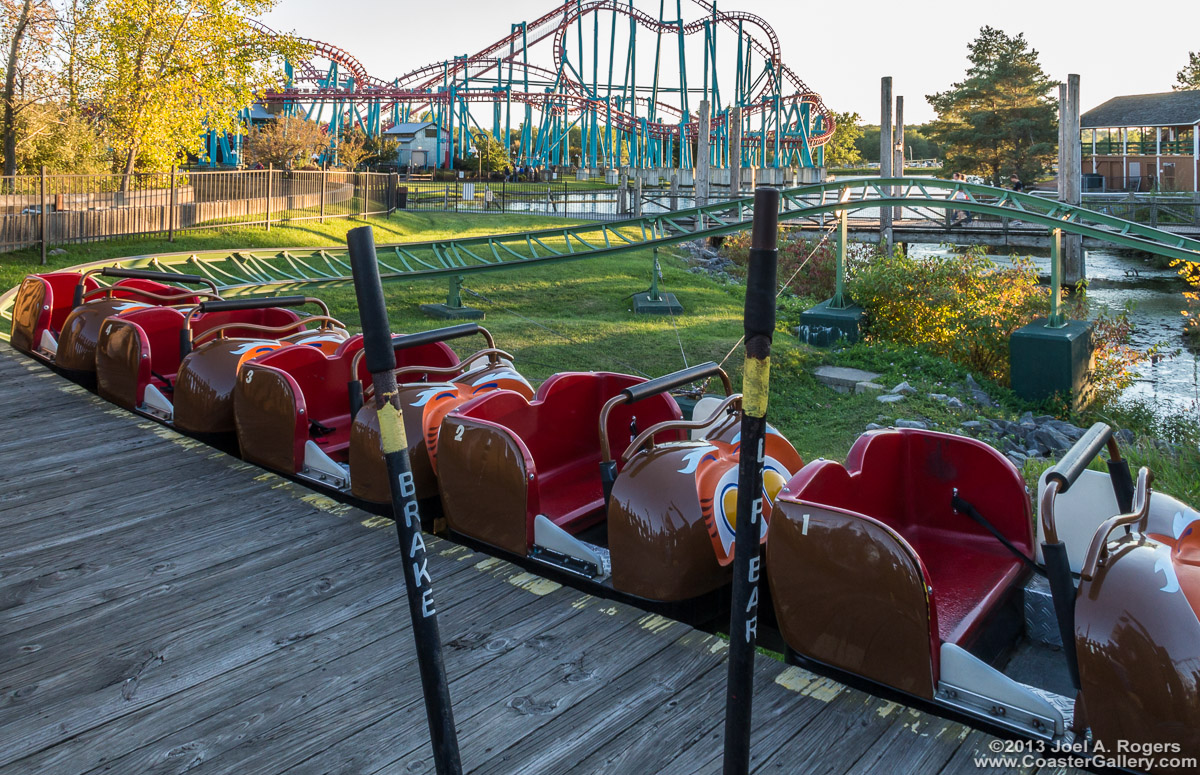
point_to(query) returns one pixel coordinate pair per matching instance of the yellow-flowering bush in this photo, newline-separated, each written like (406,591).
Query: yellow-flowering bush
(962,307)
(1190,271)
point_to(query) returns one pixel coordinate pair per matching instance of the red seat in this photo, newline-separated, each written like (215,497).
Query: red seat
(42,303)
(905,479)
(141,347)
(559,434)
(311,397)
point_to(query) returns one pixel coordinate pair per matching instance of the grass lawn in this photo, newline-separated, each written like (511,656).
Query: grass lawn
(577,316)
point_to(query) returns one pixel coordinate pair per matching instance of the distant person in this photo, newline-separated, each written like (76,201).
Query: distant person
(1015,183)
(961,217)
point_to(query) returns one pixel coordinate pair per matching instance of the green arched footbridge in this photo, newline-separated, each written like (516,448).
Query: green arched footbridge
(287,270)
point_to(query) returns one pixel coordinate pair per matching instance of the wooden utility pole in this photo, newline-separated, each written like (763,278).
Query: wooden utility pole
(885,159)
(735,152)
(702,158)
(898,150)
(1070,191)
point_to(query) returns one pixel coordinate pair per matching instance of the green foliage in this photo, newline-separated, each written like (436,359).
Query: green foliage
(169,69)
(916,139)
(842,149)
(284,141)
(64,141)
(807,270)
(1001,119)
(1189,76)
(961,307)
(486,153)
(1190,272)
(352,149)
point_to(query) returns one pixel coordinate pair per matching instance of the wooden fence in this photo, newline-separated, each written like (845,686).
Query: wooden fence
(49,210)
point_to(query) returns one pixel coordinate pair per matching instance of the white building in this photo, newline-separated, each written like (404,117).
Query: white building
(418,144)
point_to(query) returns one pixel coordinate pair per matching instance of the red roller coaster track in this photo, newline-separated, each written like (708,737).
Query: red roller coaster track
(422,88)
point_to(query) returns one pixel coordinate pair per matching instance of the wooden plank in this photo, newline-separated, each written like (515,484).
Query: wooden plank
(64,580)
(198,721)
(968,759)
(97,688)
(601,718)
(524,668)
(356,688)
(916,742)
(684,731)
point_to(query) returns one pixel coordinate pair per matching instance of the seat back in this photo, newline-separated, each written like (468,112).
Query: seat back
(302,393)
(42,304)
(271,316)
(129,288)
(905,478)
(560,430)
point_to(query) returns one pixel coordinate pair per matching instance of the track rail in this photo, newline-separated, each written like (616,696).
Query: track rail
(287,270)
(424,87)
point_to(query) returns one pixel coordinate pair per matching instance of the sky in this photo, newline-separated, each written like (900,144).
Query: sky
(921,45)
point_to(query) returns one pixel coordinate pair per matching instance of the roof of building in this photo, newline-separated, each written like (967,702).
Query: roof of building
(409,128)
(1172,108)
(259,112)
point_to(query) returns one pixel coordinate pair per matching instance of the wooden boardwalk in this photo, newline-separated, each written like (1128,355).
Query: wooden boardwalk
(166,608)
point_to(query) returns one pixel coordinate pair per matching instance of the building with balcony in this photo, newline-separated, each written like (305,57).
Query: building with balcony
(1143,142)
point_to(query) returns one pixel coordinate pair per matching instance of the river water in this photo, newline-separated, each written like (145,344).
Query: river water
(1156,293)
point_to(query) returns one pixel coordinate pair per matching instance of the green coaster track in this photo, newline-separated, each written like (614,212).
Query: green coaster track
(288,270)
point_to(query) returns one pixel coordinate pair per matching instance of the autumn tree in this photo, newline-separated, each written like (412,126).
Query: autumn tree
(284,141)
(486,153)
(63,140)
(1001,119)
(1189,77)
(352,149)
(171,69)
(841,150)
(26,30)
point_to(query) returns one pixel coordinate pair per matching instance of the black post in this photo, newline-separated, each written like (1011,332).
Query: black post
(270,178)
(43,216)
(381,363)
(759,327)
(171,211)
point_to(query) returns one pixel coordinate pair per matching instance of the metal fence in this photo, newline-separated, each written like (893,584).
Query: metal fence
(49,210)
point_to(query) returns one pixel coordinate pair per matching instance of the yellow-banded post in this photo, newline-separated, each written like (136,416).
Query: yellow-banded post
(381,363)
(759,324)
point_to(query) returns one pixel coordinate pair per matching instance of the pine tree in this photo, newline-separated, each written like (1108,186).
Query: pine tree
(1189,77)
(1002,118)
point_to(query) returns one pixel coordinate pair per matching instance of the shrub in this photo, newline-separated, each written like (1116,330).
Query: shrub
(1190,272)
(962,307)
(818,277)
(1114,360)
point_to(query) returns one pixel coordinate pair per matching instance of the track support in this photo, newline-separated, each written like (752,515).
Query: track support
(453,309)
